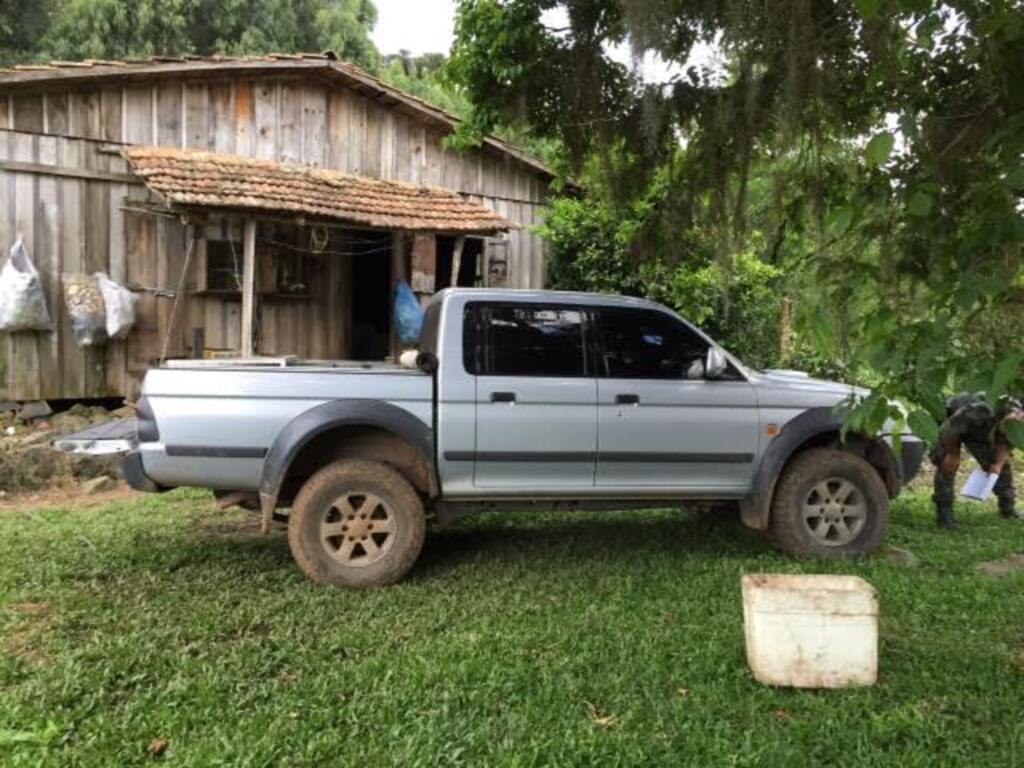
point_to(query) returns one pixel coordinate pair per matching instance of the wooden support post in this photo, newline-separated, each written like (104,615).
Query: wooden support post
(249,289)
(457,260)
(399,274)
(424,266)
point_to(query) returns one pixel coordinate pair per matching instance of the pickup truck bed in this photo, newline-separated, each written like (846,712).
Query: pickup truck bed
(232,414)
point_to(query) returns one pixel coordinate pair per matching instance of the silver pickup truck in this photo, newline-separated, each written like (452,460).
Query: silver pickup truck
(519,399)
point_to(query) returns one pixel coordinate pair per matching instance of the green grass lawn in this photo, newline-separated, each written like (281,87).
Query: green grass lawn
(588,639)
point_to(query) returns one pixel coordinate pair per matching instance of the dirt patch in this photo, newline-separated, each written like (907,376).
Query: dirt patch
(64,494)
(22,642)
(234,527)
(29,462)
(898,556)
(32,609)
(1003,567)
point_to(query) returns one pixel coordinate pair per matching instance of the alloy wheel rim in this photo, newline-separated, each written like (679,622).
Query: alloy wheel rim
(357,529)
(835,512)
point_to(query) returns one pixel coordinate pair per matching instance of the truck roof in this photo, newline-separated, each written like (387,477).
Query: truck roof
(533,295)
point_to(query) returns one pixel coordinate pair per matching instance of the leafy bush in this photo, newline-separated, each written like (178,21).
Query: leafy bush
(586,249)
(739,305)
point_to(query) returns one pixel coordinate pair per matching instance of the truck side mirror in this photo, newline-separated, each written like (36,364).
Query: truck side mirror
(716,363)
(426,362)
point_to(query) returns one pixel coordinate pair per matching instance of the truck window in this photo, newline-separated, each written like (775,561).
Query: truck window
(644,344)
(517,340)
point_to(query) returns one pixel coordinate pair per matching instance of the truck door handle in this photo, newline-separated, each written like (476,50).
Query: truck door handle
(627,399)
(503,397)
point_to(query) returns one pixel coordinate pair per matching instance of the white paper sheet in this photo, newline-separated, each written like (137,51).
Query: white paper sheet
(979,485)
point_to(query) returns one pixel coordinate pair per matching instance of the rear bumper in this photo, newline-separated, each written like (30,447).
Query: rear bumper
(106,439)
(135,475)
(911,458)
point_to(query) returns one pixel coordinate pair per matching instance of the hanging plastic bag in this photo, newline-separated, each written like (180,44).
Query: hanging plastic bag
(408,314)
(120,306)
(22,301)
(86,310)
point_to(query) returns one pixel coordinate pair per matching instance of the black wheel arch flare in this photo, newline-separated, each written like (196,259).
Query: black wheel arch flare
(331,415)
(803,429)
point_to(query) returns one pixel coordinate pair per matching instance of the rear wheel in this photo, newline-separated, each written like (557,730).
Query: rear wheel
(356,524)
(829,503)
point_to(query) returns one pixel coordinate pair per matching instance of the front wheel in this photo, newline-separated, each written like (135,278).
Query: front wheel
(829,503)
(356,524)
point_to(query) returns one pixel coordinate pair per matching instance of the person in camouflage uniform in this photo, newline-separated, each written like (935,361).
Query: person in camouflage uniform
(972,421)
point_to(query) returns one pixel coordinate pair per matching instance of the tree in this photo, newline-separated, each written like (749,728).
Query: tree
(425,76)
(115,29)
(887,137)
(22,23)
(422,76)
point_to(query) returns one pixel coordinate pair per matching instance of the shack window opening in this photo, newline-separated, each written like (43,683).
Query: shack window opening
(463,271)
(224,265)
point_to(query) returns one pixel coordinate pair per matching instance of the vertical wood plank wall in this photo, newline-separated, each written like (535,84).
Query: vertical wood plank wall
(67,224)
(72,224)
(298,120)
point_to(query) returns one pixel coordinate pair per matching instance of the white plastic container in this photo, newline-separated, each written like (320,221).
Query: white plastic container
(811,631)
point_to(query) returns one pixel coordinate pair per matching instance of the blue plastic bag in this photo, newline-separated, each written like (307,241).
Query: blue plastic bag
(408,314)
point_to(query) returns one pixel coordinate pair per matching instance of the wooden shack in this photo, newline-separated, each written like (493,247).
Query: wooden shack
(78,183)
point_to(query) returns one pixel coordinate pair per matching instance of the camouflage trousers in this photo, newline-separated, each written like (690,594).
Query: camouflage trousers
(945,484)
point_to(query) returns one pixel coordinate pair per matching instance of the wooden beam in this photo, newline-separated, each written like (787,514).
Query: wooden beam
(249,289)
(457,260)
(424,267)
(120,72)
(424,264)
(71,173)
(399,274)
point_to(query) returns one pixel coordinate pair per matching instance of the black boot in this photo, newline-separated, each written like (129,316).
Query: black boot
(946,519)
(943,495)
(1007,494)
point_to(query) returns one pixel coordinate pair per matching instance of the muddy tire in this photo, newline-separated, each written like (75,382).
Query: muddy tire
(829,503)
(356,524)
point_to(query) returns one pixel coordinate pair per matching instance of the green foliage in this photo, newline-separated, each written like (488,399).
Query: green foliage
(77,29)
(1005,374)
(879,148)
(344,26)
(423,76)
(22,24)
(1014,430)
(872,151)
(586,248)
(737,303)
(924,425)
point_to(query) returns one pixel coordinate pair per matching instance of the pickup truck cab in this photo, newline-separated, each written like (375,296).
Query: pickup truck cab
(519,399)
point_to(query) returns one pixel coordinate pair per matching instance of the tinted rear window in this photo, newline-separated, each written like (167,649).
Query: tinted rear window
(518,340)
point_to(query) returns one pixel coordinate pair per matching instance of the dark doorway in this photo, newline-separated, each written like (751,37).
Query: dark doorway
(468,267)
(371,295)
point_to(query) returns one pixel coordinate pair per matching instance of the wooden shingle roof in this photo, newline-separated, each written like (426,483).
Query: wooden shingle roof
(197,179)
